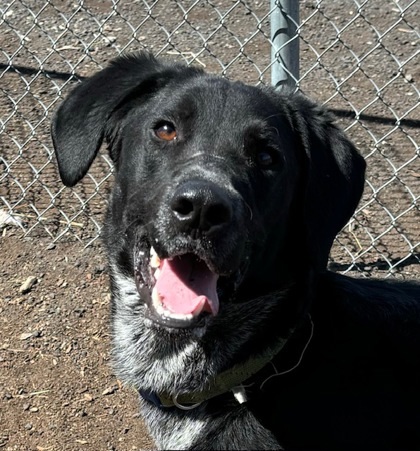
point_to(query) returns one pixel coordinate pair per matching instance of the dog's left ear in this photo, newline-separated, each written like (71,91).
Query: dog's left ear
(334,175)
(79,125)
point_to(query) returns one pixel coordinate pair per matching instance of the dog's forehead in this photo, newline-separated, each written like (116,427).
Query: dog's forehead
(217,98)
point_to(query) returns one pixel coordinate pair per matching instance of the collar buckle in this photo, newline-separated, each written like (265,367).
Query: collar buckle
(183,406)
(240,394)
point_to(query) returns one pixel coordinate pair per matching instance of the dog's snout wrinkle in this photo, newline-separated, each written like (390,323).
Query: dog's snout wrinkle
(200,207)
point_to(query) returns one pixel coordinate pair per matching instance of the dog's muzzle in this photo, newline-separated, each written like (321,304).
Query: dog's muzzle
(182,270)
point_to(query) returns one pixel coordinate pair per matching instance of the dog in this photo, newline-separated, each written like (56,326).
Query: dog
(225,318)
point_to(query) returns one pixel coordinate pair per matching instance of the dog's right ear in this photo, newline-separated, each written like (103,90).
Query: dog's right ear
(78,126)
(333,175)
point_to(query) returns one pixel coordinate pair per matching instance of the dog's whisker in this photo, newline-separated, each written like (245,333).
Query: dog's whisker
(251,214)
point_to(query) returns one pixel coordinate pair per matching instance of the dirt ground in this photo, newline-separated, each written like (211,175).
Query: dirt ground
(57,387)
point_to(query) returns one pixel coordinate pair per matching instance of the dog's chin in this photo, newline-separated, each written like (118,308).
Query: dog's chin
(184,290)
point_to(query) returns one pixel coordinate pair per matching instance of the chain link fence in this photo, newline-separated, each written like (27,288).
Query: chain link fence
(359,58)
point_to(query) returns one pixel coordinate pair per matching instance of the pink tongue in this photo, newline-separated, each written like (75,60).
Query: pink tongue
(186,285)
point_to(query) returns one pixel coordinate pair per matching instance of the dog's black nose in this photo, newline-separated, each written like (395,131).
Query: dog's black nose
(201,206)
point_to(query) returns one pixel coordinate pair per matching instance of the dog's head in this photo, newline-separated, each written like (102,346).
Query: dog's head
(223,192)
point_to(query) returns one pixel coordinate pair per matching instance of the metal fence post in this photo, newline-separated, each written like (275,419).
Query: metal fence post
(284,20)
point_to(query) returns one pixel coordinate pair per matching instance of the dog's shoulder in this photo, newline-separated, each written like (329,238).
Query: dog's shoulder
(398,296)
(386,309)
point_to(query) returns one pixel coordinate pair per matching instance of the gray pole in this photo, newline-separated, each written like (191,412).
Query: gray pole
(284,54)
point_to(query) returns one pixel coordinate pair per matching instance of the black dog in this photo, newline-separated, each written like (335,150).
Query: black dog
(226,202)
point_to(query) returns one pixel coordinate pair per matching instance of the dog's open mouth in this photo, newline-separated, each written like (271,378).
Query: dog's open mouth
(180,291)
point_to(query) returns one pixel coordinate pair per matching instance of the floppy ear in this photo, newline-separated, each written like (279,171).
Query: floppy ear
(334,177)
(79,125)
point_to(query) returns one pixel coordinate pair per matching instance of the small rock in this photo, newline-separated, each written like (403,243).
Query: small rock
(28,284)
(99,269)
(110,390)
(7,219)
(26,335)
(28,426)
(61,283)
(109,40)
(88,397)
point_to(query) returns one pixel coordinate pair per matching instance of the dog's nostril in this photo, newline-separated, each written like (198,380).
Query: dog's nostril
(217,214)
(183,207)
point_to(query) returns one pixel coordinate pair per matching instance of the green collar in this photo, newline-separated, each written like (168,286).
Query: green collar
(228,380)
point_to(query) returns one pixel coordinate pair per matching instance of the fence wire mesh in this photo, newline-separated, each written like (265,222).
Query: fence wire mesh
(359,58)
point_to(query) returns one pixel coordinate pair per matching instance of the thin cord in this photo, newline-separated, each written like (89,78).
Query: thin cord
(299,361)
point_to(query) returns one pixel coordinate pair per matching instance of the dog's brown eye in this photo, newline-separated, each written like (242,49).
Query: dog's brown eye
(166,131)
(265,159)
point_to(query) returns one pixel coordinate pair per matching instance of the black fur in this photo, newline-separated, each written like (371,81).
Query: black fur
(256,184)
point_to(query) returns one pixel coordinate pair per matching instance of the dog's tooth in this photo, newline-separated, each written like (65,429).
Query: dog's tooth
(155,262)
(179,316)
(157,273)
(154,259)
(157,301)
(198,308)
